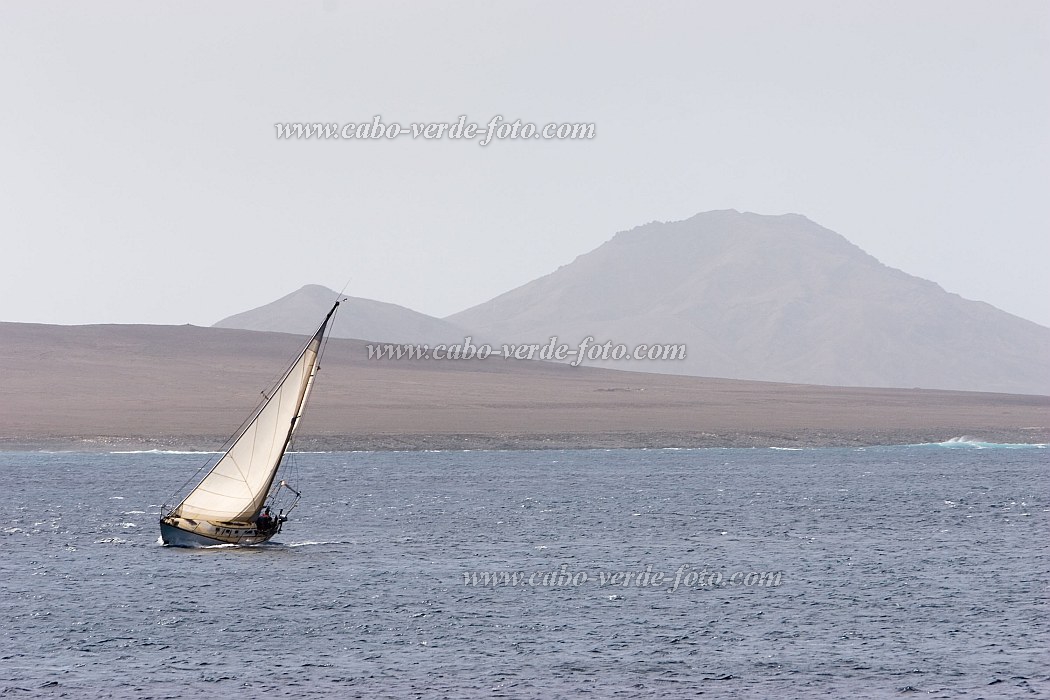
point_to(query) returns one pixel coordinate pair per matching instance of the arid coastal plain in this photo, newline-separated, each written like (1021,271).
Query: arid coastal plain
(186,387)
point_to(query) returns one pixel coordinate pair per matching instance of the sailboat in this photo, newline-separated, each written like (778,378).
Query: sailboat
(233,503)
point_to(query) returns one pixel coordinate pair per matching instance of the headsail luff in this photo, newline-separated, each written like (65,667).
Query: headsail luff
(236,487)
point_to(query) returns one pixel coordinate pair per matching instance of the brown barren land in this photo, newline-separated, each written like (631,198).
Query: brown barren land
(185,387)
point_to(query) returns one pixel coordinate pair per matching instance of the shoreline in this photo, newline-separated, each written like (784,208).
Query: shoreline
(418,442)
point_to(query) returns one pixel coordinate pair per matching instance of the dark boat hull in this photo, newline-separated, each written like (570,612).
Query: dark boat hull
(183,532)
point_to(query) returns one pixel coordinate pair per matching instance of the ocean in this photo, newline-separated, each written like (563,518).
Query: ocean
(870,572)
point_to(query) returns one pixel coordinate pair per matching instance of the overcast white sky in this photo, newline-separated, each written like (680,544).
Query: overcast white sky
(141,180)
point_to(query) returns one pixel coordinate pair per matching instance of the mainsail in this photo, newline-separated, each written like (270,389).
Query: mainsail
(236,487)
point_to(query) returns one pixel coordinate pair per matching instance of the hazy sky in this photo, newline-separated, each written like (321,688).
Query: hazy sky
(142,180)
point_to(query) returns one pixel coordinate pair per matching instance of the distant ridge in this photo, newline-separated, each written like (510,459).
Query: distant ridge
(775,298)
(364,319)
(133,387)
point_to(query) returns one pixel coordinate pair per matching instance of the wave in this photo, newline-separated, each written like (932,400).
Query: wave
(164,452)
(965,441)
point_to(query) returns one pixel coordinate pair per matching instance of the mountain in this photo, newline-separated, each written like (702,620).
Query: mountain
(357,318)
(775,298)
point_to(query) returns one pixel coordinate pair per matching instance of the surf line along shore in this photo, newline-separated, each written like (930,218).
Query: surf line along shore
(449,442)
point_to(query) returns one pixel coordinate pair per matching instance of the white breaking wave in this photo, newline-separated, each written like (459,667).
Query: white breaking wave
(974,443)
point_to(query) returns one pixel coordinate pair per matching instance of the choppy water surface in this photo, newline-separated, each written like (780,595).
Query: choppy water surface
(903,570)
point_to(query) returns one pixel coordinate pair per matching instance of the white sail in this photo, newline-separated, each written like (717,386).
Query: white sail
(237,485)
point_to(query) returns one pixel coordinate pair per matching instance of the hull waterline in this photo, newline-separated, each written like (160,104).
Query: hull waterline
(178,532)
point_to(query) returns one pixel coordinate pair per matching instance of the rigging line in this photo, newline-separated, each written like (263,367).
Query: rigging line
(320,350)
(328,334)
(174,497)
(262,404)
(330,323)
(306,377)
(275,380)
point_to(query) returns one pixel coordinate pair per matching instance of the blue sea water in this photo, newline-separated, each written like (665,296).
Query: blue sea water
(912,571)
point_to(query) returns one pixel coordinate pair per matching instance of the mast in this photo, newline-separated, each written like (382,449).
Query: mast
(319,340)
